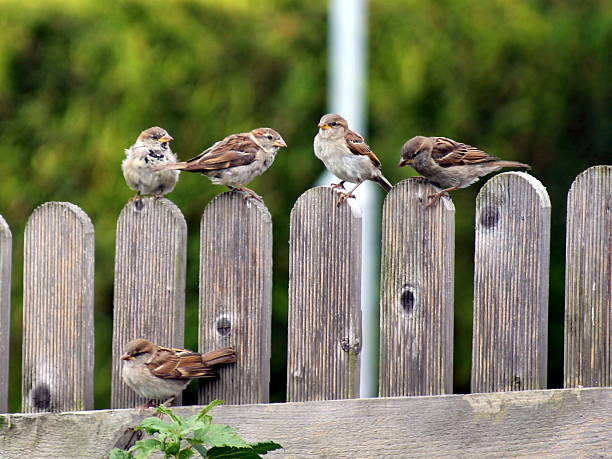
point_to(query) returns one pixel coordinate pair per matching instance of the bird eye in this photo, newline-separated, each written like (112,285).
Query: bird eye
(333,123)
(155,137)
(269,137)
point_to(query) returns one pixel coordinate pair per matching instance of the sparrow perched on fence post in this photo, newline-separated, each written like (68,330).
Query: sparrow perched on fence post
(346,155)
(161,373)
(449,164)
(151,149)
(236,160)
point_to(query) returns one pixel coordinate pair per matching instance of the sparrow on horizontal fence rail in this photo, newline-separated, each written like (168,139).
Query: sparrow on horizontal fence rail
(449,164)
(346,155)
(236,160)
(151,149)
(161,373)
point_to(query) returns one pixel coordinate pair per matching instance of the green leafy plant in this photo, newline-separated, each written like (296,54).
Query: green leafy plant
(182,438)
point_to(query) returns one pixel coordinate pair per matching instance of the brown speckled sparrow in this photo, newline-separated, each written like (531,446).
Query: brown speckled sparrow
(237,159)
(450,165)
(161,373)
(346,155)
(152,148)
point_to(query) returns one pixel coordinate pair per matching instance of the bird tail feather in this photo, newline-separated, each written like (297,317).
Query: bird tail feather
(503,163)
(219,356)
(170,166)
(383,182)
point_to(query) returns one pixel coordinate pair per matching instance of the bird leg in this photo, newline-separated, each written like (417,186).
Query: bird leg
(434,198)
(168,403)
(248,193)
(136,197)
(348,195)
(335,186)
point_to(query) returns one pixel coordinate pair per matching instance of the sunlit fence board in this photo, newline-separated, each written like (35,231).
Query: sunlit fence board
(6,246)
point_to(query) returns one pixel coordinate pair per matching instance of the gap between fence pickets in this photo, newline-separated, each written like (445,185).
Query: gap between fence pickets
(562,422)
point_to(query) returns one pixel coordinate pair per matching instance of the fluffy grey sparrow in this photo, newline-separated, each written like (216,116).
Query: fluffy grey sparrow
(236,160)
(161,373)
(346,155)
(450,165)
(151,149)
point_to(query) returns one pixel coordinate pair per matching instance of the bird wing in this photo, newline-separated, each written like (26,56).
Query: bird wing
(234,150)
(357,146)
(446,152)
(167,363)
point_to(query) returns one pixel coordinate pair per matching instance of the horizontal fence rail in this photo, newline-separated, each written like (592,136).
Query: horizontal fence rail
(324,316)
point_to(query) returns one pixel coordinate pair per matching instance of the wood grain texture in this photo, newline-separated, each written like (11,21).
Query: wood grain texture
(588,280)
(509,349)
(558,423)
(6,247)
(324,340)
(149,298)
(236,296)
(416,302)
(58,330)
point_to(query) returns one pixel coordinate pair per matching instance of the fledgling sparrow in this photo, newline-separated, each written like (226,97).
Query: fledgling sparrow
(346,155)
(161,373)
(236,160)
(151,149)
(450,165)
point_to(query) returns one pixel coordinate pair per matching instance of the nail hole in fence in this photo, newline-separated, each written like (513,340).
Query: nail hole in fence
(224,326)
(407,299)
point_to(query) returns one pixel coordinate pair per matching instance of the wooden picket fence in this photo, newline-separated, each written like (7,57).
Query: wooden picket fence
(324,337)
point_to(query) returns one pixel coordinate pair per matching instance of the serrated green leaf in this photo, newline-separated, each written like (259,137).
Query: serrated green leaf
(203,412)
(199,448)
(264,447)
(144,448)
(117,453)
(219,434)
(185,453)
(232,452)
(168,412)
(153,425)
(172,449)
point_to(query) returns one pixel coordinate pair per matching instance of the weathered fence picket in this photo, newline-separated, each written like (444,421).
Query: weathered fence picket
(511,284)
(6,246)
(149,301)
(236,296)
(324,337)
(58,338)
(416,298)
(588,280)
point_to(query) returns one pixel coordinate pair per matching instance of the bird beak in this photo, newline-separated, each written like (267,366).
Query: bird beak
(279,143)
(126,357)
(404,162)
(325,127)
(166,138)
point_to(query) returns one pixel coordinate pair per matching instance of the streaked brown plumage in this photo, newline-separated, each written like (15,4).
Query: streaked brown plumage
(449,164)
(159,373)
(236,160)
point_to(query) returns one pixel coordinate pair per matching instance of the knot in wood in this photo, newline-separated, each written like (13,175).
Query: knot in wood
(346,346)
(224,326)
(489,217)
(41,397)
(408,299)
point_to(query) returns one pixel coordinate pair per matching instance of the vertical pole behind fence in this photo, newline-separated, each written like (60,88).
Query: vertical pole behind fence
(588,280)
(509,349)
(236,296)
(417,273)
(6,246)
(324,339)
(149,283)
(58,334)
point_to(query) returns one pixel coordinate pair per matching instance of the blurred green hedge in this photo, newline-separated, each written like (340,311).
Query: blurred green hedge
(525,80)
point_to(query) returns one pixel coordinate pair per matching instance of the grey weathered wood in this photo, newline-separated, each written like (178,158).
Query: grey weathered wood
(58,331)
(6,246)
(236,296)
(324,340)
(416,303)
(588,280)
(509,349)
(149,299)
(554,423)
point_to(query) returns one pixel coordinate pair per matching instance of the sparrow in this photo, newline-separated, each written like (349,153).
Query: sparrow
(450,165)
(161,373)
(346,155)
(235,160)
(151,149)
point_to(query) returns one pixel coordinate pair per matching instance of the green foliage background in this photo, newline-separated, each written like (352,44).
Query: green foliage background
(79,79)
